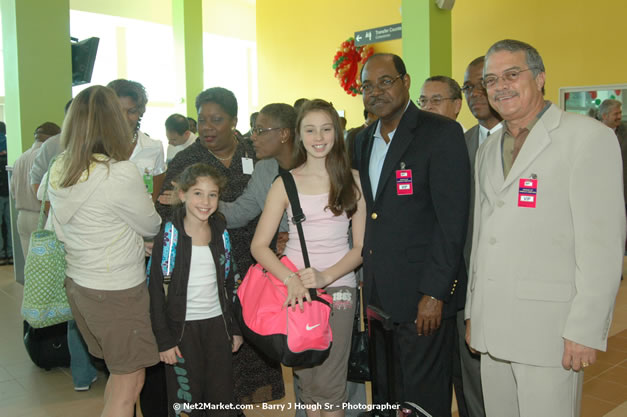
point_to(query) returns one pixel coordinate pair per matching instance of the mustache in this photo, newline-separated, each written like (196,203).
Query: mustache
(376,100)
(508,93)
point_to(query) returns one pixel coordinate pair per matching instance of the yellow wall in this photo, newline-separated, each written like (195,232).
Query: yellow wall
(297,40)
(581,42)
(232,18)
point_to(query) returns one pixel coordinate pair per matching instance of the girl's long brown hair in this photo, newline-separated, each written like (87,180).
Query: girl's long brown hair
(94,124)
(343,193)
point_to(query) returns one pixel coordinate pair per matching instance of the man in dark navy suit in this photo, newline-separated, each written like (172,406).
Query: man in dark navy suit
(415,176)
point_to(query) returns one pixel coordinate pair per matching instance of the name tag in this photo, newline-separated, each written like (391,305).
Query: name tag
(404,185)
(148,182)
(527,192)
(247,166)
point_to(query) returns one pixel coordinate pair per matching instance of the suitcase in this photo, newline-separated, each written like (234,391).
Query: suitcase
(380,334)
(382,371)
(47,347)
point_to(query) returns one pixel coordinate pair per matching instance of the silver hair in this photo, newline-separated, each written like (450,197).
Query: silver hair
(607,106)
(532,57)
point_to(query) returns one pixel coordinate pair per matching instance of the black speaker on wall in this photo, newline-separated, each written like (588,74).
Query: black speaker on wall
(83,58)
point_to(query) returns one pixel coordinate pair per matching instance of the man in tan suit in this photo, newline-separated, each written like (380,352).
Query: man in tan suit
(549,229)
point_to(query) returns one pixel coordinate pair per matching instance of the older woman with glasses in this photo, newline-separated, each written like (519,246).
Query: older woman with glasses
(256,380)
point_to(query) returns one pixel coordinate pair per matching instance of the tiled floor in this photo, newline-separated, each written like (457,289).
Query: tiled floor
(26,390)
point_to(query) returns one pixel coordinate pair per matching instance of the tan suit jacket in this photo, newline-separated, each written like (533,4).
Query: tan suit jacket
(542,274)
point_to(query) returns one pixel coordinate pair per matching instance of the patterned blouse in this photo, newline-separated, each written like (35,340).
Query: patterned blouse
(236,182)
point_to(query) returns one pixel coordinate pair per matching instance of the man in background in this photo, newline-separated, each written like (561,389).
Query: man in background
(26,201)
(611,114)
(193,126)
(178,134)
(441,94)
(6,245)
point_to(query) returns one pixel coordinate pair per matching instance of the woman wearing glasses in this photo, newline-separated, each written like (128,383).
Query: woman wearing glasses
(217,145)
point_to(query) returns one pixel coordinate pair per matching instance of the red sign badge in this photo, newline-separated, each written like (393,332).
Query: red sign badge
(404,184)
(527,192)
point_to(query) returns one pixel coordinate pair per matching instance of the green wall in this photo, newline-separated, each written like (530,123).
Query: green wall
(37,67)
(427,46)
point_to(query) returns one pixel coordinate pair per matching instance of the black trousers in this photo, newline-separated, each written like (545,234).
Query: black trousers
(423,366)
(205,374)
(153,399)
(458,383)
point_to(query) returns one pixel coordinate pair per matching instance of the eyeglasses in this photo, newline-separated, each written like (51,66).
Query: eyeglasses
(508,76)
(467,89)
(383,84)
(435,101)
(263,130)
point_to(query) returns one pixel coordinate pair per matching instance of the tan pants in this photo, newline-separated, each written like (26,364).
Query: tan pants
(325,384)
(517,390)
(26,225)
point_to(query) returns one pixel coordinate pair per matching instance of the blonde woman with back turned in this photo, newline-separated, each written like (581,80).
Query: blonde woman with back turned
(101,212)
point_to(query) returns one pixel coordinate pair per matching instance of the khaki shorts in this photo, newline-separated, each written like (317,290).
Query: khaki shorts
(115,325)
(325,384)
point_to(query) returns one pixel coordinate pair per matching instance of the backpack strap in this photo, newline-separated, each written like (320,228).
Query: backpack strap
(168,255)
(170,239)
(227,252)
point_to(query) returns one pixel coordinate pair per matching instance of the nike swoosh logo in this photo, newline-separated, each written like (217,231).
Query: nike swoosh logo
(308,327)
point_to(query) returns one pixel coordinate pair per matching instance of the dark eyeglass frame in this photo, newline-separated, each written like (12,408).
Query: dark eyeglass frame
(259,131)
(436,101)
(384,84)
(467,89)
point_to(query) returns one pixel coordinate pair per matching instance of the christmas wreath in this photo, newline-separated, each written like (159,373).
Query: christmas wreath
(347,64)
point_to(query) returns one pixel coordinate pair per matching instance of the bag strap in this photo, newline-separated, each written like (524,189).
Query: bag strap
(297,212)
(298,217)
(40,223)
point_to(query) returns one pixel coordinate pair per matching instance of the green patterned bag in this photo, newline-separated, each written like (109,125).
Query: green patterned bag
(45,302)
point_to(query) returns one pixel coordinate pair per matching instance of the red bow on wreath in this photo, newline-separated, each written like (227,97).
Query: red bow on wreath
(347,64)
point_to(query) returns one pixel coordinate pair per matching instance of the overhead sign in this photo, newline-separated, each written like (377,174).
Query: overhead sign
(384,33)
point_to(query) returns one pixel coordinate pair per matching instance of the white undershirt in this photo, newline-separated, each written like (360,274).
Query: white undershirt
(484,132)
(202,288)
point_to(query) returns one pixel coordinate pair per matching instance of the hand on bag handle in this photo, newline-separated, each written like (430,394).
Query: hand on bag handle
(296,293)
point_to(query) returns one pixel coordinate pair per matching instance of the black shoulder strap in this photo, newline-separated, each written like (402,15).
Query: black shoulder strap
(298,218)
(297,211)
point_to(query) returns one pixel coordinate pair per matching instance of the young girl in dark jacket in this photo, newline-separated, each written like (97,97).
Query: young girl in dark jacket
(191,286)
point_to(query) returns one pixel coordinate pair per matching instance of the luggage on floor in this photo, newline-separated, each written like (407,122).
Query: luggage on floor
(47,347)
(383,369)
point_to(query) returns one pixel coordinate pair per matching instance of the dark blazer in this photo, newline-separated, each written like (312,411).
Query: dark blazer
(621,134)
(413,244)
(472,143)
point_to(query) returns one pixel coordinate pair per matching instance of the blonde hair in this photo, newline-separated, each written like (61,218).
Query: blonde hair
(94,124)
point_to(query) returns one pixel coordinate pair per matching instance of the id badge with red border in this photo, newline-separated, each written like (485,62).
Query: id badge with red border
(404,184)
(527,192)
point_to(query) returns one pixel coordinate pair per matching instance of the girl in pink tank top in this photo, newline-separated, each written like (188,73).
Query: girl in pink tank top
(331,198)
